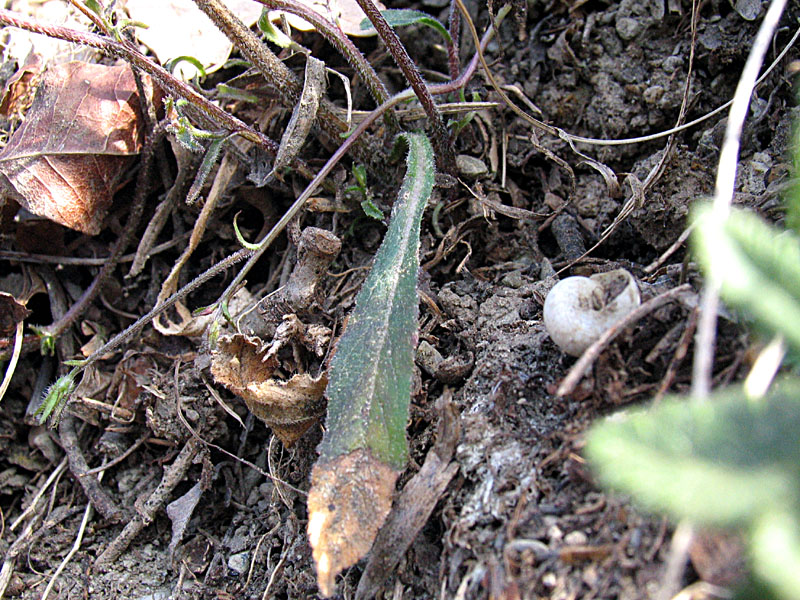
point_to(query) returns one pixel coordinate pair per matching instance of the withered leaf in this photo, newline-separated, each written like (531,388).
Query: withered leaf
(19,90)
(69,156)
(11,312)
(370,387)
(288,407)
(349,499)
(415,504)
(244,365)
(180,512)
(303,115)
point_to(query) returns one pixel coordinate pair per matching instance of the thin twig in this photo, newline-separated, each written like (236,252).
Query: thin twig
(12,364)
(87,515)
(172,476)
(118,459)
(97,496)
(723,196)
(676,562)
(592,352)
(40,492)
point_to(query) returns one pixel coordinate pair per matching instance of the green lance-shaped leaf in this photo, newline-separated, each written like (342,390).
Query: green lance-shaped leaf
(370,374)
(369,389)
(758,266)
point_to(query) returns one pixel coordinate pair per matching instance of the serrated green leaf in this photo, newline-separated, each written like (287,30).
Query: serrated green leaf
(370,375)
(726,461)
(758,266)
(56,397)
(401,17)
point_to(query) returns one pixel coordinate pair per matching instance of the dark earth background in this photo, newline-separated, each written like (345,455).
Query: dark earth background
(522,517)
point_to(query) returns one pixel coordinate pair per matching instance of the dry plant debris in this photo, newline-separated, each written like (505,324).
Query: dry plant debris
(76,145)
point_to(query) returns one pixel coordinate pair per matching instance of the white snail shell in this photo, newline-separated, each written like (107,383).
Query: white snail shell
(579,309)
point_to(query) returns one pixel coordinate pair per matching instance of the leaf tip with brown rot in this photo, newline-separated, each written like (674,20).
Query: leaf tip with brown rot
(349,500)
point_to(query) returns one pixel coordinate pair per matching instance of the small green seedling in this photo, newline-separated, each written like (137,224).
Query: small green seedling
(367,204)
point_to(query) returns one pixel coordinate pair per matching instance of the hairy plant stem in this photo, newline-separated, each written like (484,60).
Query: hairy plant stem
(337,39)
(454,25)
(445,154)
(165,80)
(133,329)
(276,73)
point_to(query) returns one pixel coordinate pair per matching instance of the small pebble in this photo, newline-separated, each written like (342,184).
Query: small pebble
(471,167)
(554,533)
(575,538)
(238,563)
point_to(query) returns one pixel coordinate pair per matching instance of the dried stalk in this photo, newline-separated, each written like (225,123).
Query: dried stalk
(445,154)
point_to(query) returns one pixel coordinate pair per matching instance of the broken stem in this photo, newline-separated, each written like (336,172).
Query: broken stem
(445,153)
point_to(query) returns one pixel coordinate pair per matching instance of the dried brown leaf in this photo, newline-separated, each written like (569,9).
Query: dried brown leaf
(77,142)
(238,360)
(245,366)
(19,90)
(303,115)
(288,407)
(11,313)
(415,504)
(349,499)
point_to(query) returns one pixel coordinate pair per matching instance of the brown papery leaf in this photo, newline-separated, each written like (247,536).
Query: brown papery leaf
(243,365)
(19,90)
(12,311)
(288,407)
(77,142)
(349,499)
